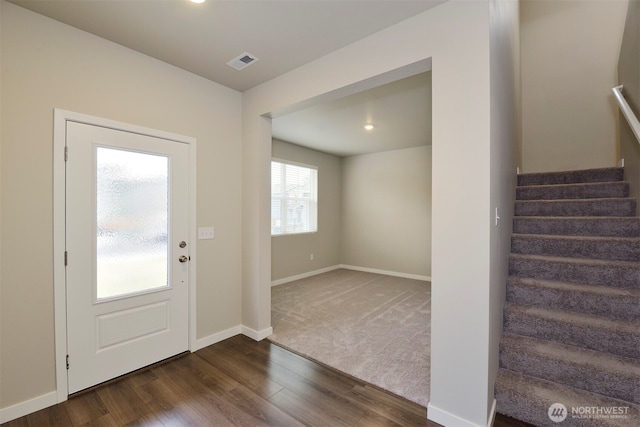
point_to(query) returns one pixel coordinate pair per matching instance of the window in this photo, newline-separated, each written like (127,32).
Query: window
(294,198)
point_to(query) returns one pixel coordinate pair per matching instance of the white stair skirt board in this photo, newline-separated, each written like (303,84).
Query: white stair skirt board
(28,406)
(349,267)
(445,418)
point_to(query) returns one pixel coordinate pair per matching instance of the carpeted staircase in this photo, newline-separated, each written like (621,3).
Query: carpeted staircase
(572,316)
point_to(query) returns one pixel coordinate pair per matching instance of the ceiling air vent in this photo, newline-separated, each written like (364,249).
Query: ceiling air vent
(242,61)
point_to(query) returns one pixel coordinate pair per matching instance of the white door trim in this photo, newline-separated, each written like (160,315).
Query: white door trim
(59,231)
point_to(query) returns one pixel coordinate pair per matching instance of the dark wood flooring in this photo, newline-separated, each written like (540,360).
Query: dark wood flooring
(237,382)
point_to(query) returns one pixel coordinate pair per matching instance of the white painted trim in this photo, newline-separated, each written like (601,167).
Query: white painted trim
(193,239)
(59,273)
(445,418)
(28,406)
(59,231)
(303,275)
(492,414)
(216,338)
(349,267)
(386,272)
(257,335)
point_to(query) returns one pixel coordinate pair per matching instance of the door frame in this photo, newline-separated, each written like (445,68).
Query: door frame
(60,119)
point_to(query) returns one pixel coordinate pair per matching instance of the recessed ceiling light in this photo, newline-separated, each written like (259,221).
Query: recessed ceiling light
(368,126)
(198,1)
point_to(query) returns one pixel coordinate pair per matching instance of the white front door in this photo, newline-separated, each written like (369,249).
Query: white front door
(127,251)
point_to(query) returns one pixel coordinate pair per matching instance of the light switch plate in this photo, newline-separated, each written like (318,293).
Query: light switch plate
(205,233)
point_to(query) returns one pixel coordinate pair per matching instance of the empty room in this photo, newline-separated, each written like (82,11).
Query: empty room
(351,234)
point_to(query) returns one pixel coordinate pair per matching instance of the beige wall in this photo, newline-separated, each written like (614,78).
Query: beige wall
(569,58)
(290,254)
(374,211)
(386,211)
(47,65)
(629,76)
(505,135)
(455,37)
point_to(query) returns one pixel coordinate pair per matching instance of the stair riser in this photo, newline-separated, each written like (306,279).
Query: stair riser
(610,207)
(583,377)
(625,308)
(572,177)
(577,191)
(623,250)
(603,227)
(627,276)
(621,343)
(528,399)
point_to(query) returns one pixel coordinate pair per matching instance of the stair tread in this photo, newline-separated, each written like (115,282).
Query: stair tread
(607,301)
(575,184)
(577,287)
(573,354)
(604,200)
(608,174)
(592,247)
(578,225)
(589,261)
(579,319)
(579,238)
(528,398)
(610,206)
(590,190)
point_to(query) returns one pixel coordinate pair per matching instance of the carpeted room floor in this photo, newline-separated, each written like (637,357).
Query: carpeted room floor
(371,326)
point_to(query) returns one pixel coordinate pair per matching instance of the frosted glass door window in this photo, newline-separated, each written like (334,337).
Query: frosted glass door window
(132,222)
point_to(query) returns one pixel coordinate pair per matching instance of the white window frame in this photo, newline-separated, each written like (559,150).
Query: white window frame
(312,200)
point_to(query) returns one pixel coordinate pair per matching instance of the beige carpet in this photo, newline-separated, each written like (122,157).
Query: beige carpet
(371,326)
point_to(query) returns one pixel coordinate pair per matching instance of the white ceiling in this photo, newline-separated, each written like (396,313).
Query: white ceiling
(400,113)
(282,34)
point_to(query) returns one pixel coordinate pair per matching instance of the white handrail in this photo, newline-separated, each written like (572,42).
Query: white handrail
(627,111)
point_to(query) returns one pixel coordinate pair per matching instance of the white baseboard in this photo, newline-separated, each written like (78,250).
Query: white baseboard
(232,332)
(386,272)
(492,415)
(28,406)
(217,337)
(448,419)
(257,335)
(349,267)
(303,275)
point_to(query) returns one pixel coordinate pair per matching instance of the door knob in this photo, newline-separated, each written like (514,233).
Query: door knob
(183,258)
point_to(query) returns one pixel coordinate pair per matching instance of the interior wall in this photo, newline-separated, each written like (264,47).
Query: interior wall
(454,37)
(386,211)
(290,254)
(569,59)
(629,77)
(505,135)
(47,65)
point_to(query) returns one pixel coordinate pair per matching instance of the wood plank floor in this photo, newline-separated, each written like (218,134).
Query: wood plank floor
(237,382)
